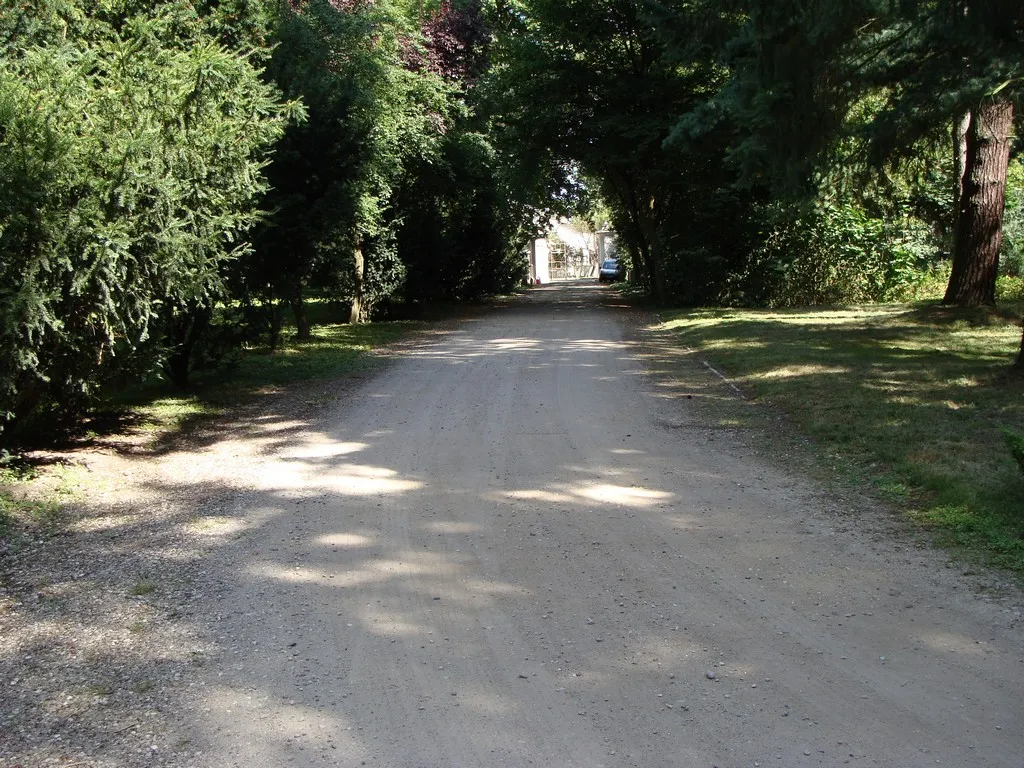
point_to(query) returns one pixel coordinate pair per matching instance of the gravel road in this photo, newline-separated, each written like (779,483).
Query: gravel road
(520,545)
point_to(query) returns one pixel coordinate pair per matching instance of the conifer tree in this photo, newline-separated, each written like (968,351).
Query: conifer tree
(804,64)
(131,147)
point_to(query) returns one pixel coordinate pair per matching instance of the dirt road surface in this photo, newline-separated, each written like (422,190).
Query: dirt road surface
(517,546)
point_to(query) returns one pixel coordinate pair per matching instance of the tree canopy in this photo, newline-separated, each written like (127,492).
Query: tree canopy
(176,172)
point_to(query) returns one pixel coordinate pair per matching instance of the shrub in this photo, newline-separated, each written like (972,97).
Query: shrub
(830,253)
(130,163)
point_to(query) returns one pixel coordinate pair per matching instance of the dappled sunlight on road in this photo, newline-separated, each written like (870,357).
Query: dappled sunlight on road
(454,527)
(631,497)
(217,525)
(354,480)
(530,548)
(685,522)
(346,540)
(342,479)
(603,493)
(320,450)
(294,728)
(950,642)
(553,497)
(456,349)
(384,623)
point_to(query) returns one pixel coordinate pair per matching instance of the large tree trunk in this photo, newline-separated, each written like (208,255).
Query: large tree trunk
(647,220)
(979,222)
(626,194)
(186,328)
(641,209)
(961,125)
(303,330)
(357,315)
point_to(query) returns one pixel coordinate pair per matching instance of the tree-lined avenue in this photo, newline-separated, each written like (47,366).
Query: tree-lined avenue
(522,544)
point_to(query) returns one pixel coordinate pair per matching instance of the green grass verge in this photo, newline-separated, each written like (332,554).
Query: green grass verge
(24,519)
(335,350)
(916,400)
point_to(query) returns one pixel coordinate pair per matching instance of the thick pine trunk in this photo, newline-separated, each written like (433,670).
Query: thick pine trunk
(979,222)
(961,125)
(356,316)
(303,330)
(186,329)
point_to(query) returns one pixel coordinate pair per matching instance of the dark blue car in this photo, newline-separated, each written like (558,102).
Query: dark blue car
(610,271)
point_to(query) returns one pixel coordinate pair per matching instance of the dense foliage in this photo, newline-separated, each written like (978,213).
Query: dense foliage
(130,155)
(173,173)
(176,174)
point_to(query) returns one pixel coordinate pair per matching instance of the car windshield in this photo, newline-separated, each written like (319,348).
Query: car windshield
(608,264)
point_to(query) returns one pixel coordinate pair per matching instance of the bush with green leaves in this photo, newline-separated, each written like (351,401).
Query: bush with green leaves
(824,253)
(1012,252)
(372,115)
(131,156)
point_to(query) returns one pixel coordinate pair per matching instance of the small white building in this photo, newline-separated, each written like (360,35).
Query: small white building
(567,253)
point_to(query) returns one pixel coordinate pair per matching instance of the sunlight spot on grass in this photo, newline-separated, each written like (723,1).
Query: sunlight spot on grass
(906,400)
(806,369)
(172,411)
(955,406)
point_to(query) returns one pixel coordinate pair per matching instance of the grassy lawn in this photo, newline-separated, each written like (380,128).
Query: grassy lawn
(335,350)
(912,400)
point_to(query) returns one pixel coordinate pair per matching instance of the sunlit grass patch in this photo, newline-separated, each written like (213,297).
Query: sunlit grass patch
(916,399)
(336,350)
(26,516)
(172,412)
